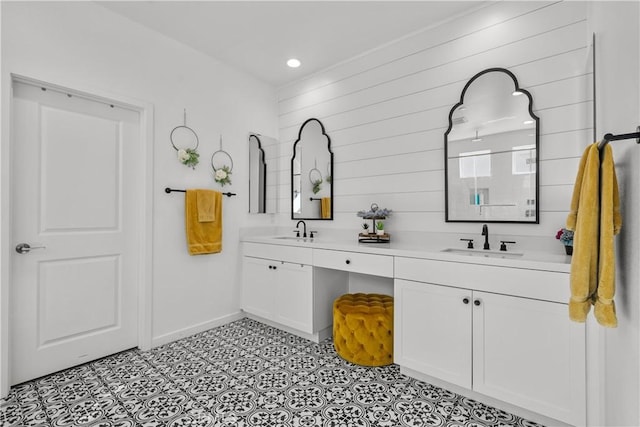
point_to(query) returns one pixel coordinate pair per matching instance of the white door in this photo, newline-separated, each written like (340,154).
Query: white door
(74,294)
(433,330)
(258,286)
(526,352)
(294,296)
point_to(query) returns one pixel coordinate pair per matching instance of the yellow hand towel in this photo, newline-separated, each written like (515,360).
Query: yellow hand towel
(583,219)
(206,202)
(203,237)
(325,206)
(610,224)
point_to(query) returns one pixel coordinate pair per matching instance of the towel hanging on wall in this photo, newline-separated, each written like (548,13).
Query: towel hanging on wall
(583,220)
(594,217)
(203,236)
(610,225)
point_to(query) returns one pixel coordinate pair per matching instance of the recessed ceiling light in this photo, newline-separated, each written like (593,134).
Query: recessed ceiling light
(293,63)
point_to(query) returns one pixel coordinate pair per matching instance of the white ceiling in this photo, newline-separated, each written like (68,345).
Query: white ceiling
(259,36)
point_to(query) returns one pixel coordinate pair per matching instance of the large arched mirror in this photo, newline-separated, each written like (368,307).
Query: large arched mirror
(312,173)
(491,146)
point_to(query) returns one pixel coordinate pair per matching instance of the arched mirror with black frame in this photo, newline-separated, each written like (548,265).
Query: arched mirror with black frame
(257,176)
(491,152)
(312,173)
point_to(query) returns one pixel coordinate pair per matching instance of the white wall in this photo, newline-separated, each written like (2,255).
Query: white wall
(386,112)
(618,111)
(82,45)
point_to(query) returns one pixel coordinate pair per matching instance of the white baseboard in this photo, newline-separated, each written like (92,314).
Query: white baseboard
(521,412)
(315,337)
(195,329)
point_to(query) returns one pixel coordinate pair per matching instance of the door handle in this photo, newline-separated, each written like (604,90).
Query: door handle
(25,248)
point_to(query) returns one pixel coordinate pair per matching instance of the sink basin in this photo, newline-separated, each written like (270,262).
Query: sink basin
(297,239)
(482,253)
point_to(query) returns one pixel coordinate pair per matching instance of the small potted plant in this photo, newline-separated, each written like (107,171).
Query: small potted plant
(380,228)
(365,228)
(566,238)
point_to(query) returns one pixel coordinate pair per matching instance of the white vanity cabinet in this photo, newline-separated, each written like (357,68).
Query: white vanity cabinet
(502,332)
(258,286)
(432,330)
(528,353)
(278,285)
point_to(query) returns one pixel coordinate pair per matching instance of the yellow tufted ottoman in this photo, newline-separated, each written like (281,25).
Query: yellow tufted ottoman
(363,328)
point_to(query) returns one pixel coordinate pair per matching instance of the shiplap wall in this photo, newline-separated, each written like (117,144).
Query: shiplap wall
(386,112)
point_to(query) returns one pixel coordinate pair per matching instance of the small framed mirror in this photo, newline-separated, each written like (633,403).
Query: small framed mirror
(262,185)
(491,152)
(257,176)
(312,173)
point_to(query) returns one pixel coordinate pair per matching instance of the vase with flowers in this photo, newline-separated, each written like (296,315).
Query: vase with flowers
(566,238)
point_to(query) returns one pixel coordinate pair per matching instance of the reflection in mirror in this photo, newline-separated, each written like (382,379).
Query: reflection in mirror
(491,160)
(262,178)
(312,173)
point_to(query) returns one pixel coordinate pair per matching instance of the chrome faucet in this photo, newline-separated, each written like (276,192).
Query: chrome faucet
(304,233)
(485,233)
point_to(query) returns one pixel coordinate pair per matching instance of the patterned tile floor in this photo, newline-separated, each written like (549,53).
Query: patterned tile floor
(241,374)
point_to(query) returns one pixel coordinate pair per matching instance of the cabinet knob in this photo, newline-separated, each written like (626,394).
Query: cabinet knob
(476,302)
(270,267)
(348,261)
(274,267)
(465,300)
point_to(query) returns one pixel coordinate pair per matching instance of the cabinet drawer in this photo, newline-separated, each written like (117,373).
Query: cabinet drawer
(292,254)
(356,262)
(538,284)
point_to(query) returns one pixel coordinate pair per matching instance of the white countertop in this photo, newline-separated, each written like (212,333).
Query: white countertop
(428,249)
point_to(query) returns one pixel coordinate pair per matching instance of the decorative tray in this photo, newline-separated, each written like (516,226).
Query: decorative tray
(374,238)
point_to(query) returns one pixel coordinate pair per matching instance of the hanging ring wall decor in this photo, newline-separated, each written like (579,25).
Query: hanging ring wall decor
(315,176)
(221,172)
(182,139)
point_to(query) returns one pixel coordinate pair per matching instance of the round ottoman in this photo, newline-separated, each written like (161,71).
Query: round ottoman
(363,328)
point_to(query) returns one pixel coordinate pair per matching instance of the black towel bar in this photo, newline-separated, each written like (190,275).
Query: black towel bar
(610,137)
(169,190)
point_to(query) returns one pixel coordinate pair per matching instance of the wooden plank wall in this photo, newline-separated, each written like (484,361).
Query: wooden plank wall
(386,112)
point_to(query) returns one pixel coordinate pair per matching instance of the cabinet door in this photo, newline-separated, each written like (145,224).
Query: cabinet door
(432,332)
(528,353)
(258,286)
(294,296)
